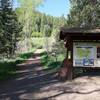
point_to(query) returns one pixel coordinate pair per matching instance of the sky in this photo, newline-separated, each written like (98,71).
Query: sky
(53,7)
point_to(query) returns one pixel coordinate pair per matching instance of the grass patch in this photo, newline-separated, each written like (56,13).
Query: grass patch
(49,63)
(7,68)
(24,56)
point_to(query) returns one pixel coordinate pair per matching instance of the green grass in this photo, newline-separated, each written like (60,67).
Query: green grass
(49,63)
(37,34)
(24,56)
(7,68)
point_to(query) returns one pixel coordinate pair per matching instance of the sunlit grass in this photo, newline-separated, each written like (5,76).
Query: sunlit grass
(49,63)
(38,42)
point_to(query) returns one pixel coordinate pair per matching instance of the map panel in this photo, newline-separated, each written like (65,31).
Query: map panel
(83,52)
(84,56)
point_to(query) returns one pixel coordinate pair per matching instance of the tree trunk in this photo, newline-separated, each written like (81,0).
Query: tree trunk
(67,71)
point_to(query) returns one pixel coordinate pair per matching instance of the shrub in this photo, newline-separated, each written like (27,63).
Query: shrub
(37,34)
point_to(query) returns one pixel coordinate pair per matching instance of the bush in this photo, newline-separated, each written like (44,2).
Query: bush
(37,42)
(6,69)
(37,34)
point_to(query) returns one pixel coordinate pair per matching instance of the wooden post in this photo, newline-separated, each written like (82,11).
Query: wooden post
(67,70)
(70,74)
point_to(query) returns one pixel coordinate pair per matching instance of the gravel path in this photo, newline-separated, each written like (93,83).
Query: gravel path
(33,83)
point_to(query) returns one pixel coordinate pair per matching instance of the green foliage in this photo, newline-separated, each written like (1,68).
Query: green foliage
(37,42)
(7,69)
(37,34)
(49,63)
(27,54)
(24,56)
(47,30)
(84,13)
(41,23)
(26,15)
(10,28)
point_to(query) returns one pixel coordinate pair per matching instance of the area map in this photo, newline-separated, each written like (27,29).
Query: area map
(85,52)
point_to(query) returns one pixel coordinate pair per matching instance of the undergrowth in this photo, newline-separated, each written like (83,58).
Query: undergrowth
(49,63)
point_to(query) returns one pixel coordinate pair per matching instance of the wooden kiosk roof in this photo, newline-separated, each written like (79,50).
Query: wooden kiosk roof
(78,33)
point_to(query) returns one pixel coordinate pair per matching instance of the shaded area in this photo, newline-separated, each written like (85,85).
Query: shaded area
(34,83)
(8,68)
(90,73)
(29,79)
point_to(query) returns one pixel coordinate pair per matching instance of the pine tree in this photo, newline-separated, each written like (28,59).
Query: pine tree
(84,13)
(9,28)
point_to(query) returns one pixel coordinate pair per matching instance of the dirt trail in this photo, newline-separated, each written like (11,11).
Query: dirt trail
(33,83)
